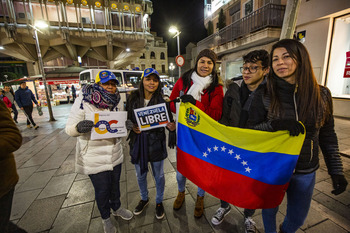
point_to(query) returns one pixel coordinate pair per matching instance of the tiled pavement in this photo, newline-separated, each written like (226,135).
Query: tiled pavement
(50,197)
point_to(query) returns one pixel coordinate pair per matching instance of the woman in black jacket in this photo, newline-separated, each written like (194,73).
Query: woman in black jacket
(148,146)
(293,96)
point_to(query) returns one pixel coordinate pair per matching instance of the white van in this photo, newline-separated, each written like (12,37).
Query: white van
(128,81)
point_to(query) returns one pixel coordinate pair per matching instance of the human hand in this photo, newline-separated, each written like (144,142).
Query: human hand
(22,108)
(129,124)
(339,184)
(188,99)
(136,129)
(294,127)
(85,126)
(171,126)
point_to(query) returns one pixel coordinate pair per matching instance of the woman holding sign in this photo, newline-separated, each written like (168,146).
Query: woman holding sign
(202,87)
(100,159)
(149,146)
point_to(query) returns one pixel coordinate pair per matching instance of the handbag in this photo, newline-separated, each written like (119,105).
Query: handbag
(40,111)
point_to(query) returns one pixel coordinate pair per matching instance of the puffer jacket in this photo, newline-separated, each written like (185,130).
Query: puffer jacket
(24,97)
(322,136)
(92,156)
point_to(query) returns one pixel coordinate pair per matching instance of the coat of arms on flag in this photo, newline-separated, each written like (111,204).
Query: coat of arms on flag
(247,168)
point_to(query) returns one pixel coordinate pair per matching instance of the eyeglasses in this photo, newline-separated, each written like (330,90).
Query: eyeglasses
(251,69)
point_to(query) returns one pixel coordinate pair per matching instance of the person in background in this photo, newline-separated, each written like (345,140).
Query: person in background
(239,110)
(74,93)
(294,96)
(11,95)
(148,146)
(24,98)
(67,94)
(10,141)
(100,159)
(5,100)
(202,87)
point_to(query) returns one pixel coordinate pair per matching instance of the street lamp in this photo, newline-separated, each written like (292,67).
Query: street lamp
(171,68)
(174,30)
(42,25)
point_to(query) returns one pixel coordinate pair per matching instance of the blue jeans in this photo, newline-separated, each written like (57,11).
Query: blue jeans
(299,195)
(15,112)
(158,174)
(181,184)
(107,191)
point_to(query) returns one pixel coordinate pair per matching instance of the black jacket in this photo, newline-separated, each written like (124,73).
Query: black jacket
(323,135)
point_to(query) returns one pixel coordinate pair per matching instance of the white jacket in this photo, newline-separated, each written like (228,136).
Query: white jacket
(95,156)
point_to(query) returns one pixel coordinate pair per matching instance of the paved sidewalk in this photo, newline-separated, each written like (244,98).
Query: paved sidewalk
(51,197)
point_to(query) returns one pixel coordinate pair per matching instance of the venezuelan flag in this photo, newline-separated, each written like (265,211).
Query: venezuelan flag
(247,168)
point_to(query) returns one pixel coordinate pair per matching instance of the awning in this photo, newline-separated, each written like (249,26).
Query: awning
(61,80)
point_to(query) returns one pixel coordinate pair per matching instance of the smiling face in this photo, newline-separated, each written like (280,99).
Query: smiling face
(283,65)
(110,86)
(204,66)
(254,75)
(150,84)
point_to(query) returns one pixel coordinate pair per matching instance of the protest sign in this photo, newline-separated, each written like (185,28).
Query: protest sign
(108,125)
(151,117)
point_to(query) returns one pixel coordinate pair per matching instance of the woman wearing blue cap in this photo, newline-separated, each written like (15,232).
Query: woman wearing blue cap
(149,146)
(100,159)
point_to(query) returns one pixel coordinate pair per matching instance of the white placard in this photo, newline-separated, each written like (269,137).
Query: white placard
(108,125)
(151,117)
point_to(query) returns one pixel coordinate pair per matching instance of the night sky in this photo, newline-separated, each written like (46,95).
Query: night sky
(187,15)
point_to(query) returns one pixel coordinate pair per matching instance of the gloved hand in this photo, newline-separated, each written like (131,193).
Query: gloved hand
(172,139)
(294,127)
(129,124)
(339,184)
(85,126)
(188,99)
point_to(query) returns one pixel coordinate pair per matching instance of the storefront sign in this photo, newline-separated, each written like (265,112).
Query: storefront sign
(152,117)
(347,66)
(60,82)
(108,125)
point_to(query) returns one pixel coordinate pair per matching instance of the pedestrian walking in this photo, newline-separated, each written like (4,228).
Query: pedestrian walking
(294,96)
(5,100)
(101,159)
(149,146)
(24,98)
(74,93)
(202,87)
(67,94)
(239,110)
(11,96)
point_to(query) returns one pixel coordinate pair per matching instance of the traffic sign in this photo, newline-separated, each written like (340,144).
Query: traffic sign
(180,60)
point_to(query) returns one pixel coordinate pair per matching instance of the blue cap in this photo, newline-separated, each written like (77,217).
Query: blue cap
(150,71)
(104,76)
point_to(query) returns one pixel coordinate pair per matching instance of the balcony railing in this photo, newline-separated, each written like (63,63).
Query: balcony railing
(270,15)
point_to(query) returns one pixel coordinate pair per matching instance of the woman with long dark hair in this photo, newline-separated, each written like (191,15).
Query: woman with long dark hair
(295,96)
(202,87)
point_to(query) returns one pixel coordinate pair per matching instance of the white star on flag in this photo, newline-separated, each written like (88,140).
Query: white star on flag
(205,154)
(247,169)
(216,148)
(244,163)
(223,148)
(238,157)
(230,152)
(209,150)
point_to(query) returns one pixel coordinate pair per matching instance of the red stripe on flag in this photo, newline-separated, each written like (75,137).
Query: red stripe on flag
(229,186)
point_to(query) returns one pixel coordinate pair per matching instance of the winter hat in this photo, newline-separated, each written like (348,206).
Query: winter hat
(209,54)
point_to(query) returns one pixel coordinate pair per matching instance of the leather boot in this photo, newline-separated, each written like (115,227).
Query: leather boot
(179,200)
(199,208)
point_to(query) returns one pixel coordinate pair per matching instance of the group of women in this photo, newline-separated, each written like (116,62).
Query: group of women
(292,95)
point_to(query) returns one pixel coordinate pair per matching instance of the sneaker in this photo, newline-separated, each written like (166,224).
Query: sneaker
(199,207)
(179,200)
(123,213)
(29,126)
(159,211)
(249,225)
(108,226)
(139,208)
(36,127)
(16,121)
(220,215)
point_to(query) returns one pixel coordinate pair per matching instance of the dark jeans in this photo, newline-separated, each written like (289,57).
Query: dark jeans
(107,191)
(28,110)
(15,112)
(74,96)
(5,210)
(247,212)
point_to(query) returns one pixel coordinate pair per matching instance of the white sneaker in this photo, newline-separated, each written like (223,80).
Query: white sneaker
(108,226)
(220,215)
(249,225)
(123,213)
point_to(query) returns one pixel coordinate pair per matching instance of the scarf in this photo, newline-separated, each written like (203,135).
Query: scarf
(95,94)
(199,84)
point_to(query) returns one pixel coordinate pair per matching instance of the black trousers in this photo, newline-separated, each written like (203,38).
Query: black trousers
(5,210)
(28,110)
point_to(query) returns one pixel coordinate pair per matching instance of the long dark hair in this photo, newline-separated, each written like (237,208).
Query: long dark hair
(309,100)
(186,77)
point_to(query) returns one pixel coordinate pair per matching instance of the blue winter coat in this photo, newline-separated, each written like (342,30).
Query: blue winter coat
(24,97)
